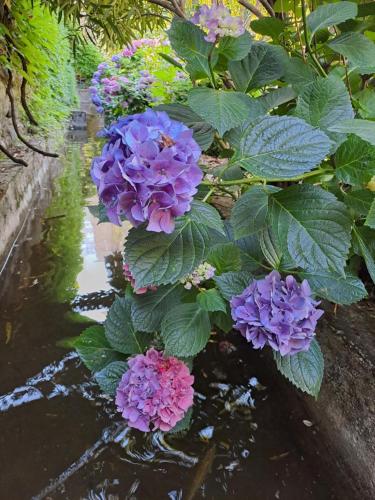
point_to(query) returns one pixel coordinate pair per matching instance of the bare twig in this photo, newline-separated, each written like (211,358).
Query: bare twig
(251,8)
(14,120)
(11,157)
(268,7)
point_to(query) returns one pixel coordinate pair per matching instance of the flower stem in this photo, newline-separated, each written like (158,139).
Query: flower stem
(308,46)
(255,180)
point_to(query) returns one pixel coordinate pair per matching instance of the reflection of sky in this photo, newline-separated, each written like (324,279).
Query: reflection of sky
(98,241)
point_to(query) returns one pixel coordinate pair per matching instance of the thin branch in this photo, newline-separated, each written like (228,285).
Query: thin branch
(268,8)
(251,8)
(9,93)
(11,157)
(165,5)
(178,9)
(23,92)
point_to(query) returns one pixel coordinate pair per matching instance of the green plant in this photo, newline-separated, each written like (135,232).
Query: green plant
(86,59)
(293,115)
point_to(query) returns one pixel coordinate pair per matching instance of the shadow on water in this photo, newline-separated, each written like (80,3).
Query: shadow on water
(60,438)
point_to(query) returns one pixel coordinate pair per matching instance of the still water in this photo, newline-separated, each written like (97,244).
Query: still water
(61,439)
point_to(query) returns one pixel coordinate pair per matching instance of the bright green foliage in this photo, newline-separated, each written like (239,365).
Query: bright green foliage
(86,59)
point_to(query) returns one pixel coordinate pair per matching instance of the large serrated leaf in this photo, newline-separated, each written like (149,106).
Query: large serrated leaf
(233,283)
(269,26)
(298,73)
(370,219)
(360,200)
(355,161)
(203,213)
(149,309)
(187,40)
(365,129)
(221,109)
(312,226)
(277,97)
(203,132)
(249,214)
(323,103)
(235,48)
(160,259)
(304,369)
(224,257)
(94,350)
(339,289)
(211,301)
(329,15)
(281,147)
(120,331)
(109,377)
(262,65)
(363,242)
(358,49)
(185,330)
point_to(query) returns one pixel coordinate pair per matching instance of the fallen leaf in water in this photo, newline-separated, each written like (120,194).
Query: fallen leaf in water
(279,457)
(308,423)
(8,331)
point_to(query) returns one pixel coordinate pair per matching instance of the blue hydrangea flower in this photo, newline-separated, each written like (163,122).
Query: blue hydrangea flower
(276,312)
(148,170)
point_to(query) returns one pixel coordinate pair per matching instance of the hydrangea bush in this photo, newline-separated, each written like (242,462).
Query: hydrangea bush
(296,130)
(135,78)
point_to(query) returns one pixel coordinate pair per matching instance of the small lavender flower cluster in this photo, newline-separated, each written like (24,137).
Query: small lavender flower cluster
(218,22)
(129,277)
(276,312)
(203,272)
(148,170)
(155,392)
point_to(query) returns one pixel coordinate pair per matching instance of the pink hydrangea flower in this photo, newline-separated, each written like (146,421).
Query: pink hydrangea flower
(155,392)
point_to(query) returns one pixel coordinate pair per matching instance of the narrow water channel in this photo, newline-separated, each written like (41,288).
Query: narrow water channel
(60,438)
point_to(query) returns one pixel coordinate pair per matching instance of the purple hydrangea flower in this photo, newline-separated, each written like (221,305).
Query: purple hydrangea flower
(276,312)
(155,391)
(218,22)
(147,170)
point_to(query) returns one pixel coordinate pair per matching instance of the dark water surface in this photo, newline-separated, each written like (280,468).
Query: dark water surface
(60,438)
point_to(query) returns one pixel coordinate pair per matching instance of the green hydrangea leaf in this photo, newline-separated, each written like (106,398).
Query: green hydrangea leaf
(185,330)
(221,109)
(281,147)
(355,161)
(149,309)
(109,377)
(159,258)
(358,49)
(211,301)
(225,257)
(262,65)
(94,349)
(304,369)
(329,15)
(343,290)
(249,214)
(120,331)
(323,103)
(312,226)
(233,283)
